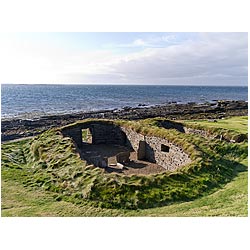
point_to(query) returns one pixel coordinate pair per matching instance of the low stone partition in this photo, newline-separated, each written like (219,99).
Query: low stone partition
(99,161)
(123,157)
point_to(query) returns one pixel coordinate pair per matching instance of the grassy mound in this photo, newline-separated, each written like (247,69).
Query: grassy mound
(234,129)
(52,163)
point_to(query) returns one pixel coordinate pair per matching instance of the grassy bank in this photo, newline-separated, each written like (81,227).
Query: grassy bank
(236,123)
(33,180)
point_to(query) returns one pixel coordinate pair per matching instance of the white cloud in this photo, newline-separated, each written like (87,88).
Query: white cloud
(151,42)
(136,43)
(41,63)
(139,42)
(164,38)
(214,58)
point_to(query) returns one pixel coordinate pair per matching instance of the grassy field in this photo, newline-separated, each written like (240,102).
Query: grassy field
(19,198)
(238,124)
(231,200)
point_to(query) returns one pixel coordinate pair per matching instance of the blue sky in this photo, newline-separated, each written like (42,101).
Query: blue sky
(124,58)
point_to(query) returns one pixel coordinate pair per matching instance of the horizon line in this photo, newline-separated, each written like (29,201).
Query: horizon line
(133,84)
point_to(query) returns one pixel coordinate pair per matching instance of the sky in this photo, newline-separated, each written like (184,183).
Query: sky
(124,58)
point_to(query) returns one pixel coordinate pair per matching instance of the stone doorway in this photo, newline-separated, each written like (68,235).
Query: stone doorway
(86,136)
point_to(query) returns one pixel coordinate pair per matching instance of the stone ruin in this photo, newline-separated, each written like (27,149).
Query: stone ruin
(113,146)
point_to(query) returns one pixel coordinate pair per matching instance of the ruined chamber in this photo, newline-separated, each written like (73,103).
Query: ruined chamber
(121,149)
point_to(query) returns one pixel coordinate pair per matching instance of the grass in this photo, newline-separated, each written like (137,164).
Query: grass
(30,189)
(238,123)
(231,200)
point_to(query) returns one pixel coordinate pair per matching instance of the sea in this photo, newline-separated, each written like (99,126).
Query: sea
(33,101)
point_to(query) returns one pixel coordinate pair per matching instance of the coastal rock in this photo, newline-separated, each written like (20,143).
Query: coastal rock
(126,108)
(17,128)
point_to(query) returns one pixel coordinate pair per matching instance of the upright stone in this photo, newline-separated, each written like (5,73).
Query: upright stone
(141,152)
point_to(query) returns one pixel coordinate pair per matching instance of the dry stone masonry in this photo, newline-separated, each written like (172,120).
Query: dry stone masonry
(102,133)
(157,150)
(147,148)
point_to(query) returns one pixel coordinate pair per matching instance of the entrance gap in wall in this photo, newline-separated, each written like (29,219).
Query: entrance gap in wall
(86,136)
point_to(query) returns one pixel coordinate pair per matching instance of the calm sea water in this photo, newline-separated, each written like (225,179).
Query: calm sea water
(36,100)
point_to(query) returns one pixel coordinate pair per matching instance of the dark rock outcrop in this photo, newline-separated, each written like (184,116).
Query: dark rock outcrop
(18,128)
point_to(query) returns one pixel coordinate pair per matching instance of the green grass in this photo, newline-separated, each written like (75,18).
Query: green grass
(231,200)
(238,123)
(37,179)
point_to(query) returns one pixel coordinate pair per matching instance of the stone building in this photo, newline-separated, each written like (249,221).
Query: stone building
(112,144)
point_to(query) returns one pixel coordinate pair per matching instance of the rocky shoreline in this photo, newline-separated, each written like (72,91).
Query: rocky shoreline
(18,128)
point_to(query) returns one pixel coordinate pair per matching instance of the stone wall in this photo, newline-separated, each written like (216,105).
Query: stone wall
(133,138)
(149,148)
(199,132)
(171,160)
(107,134)
(102,133)
(75,133)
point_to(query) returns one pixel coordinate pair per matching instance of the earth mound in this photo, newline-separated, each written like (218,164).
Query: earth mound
(56,164)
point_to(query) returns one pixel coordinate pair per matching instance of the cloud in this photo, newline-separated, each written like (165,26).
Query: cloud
(136,43)
(210,58)
(29,62)
(156,41)
(215,58)
(139,42)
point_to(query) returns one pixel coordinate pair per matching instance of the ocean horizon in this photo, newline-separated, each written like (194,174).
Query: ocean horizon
(35,100)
